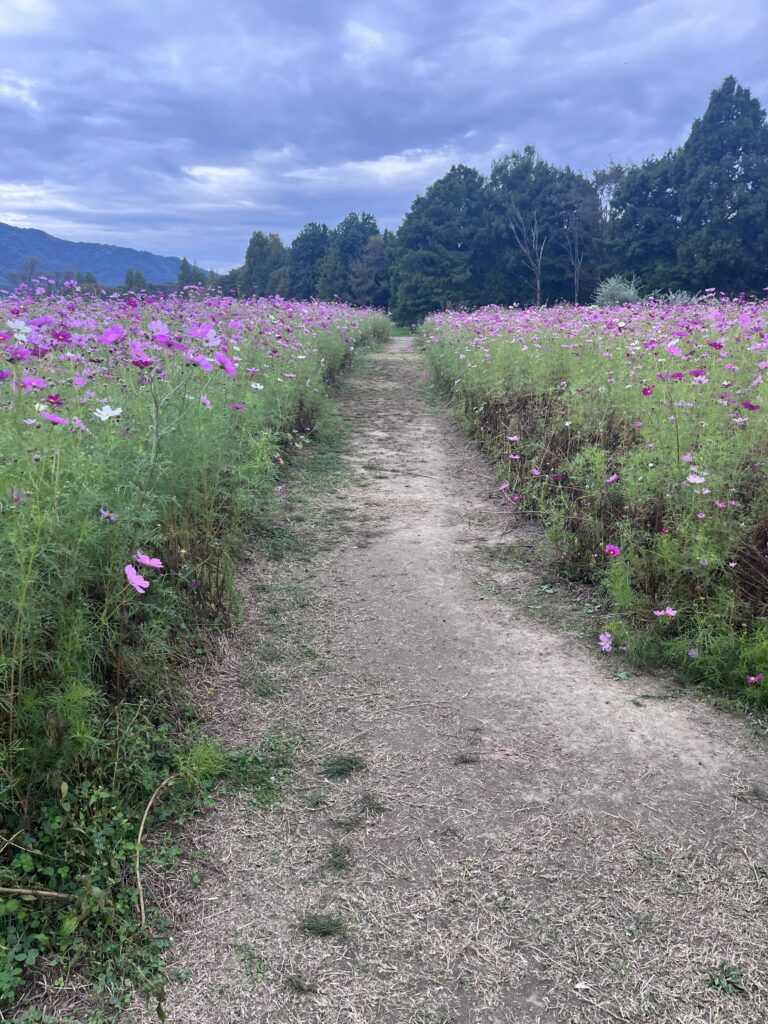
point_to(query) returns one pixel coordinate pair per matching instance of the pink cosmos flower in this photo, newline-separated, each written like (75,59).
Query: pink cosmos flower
(504,487)
(647,391)
(612,551)
(205,400)
(140,358)
(693,652)
(152,563)
(51,417)
(138,582)
(612,478)
(112,334)
(515,497)
(667,612)
(54,400)
(225,363)
(236,405)
(606,642)
(535,472)
(754,680)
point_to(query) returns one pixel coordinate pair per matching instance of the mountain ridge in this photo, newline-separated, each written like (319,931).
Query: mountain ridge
(108,263)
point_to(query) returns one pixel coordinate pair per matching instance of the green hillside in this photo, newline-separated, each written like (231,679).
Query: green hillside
(108,263)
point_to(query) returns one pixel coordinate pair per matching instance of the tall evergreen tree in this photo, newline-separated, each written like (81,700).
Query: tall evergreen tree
(347,243)
(265,258)
(437,261)
(645,224)
(698,217)
(134,280)
(190,273)
(722,175)
(228,282)
(305,256)
(332,278)
(369,274)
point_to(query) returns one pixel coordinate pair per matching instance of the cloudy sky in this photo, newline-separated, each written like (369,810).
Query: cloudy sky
(181,127)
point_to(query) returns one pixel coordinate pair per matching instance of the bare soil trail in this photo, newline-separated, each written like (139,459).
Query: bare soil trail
(527,843)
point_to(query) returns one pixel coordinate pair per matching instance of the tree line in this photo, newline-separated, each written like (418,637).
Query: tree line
(531,232)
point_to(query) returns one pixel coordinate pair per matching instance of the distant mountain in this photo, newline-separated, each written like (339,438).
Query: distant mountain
(108,263)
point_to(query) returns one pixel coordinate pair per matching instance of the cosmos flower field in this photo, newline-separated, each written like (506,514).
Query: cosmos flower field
(132,429)
(638,435)
(141,438)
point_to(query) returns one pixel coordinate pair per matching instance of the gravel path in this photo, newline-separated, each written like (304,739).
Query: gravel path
(529,842)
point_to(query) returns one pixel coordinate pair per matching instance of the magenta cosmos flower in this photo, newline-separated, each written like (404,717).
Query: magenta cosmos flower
(612,551)
(137,581)
(51,417)
(152,563)
(606,642)
(225,363)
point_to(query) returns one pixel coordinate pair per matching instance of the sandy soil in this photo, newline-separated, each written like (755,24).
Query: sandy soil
(528,842)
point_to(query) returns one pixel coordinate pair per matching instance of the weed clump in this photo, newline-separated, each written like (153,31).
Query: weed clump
(323,926)
(341,766)
(339,858)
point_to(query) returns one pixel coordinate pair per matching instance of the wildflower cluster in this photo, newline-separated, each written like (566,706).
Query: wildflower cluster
(140,435)
(638,434)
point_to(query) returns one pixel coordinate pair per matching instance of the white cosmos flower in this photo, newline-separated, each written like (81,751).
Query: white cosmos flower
(106,413)
(257,387)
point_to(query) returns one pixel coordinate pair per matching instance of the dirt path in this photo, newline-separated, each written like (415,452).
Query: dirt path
(526,843)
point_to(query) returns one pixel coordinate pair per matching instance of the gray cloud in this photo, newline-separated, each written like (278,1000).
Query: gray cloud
(183,128)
